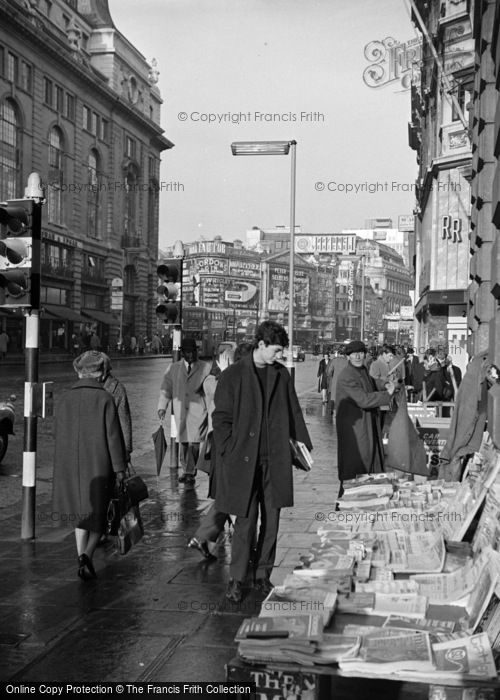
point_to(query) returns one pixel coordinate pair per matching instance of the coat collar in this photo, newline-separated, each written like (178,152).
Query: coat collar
(273,373)
(87,383)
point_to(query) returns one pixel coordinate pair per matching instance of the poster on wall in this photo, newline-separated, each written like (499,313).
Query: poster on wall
(278,298)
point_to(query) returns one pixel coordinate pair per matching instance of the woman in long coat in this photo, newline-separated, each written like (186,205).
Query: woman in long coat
(89,455)
(359,436)
(323,377)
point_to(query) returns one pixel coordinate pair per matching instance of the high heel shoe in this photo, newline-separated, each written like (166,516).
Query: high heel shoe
(86,562)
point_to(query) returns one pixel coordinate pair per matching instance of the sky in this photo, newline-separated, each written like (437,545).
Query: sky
(257,70)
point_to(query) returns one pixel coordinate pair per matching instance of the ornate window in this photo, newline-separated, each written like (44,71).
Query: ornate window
(93,196)
(130,223)
(10,165)
(54,195)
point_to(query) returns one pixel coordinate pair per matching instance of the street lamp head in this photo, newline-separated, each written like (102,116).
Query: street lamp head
(261,148)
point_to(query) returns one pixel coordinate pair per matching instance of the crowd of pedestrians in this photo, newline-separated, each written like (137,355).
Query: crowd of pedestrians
(361,386)
(234,419)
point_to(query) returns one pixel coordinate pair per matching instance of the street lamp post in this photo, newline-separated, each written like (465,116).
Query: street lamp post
(362,325)
(278,148)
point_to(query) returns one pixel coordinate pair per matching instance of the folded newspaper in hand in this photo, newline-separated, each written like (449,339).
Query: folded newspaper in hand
(301,457)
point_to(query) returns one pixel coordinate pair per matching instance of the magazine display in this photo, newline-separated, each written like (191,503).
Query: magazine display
(390,590)
(414,552)
(388,654)
(409,657)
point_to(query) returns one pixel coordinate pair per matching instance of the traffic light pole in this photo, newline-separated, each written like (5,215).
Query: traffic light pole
(174,445)
(32,316)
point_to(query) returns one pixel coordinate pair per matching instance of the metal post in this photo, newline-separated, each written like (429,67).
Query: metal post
(362,329)
(291,288)
(123,301)
(174,445)
(32,317)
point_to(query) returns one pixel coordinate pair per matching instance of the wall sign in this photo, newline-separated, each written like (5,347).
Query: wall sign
(451,229)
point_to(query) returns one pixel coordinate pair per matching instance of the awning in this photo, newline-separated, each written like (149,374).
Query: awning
(63,313)
(101,316)
(441,297)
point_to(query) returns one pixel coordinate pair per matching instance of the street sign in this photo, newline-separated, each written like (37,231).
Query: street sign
(116,294)
(406,222)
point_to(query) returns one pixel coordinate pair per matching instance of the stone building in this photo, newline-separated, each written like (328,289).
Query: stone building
(438,132)
(484,288)
(80,105)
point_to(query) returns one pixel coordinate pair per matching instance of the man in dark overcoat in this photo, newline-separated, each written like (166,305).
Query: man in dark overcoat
(256,413)
(359,435)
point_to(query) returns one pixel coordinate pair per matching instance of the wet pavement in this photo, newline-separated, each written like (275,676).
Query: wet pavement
(157,613)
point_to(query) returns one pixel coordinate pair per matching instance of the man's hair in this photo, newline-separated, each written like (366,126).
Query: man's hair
(242,350)
(272,333)
(388,348)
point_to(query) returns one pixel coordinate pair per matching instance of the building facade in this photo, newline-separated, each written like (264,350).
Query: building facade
(484,288)
(343,287)
(438,132)
(80,106)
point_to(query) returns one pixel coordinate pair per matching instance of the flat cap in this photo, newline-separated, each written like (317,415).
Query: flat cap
(89,363)
(355,346)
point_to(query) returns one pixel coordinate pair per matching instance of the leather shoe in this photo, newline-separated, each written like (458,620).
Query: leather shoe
(234,592)
(201,546)
(264,585)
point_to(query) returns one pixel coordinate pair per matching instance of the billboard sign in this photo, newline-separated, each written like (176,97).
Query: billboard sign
(344,244)
(406,222)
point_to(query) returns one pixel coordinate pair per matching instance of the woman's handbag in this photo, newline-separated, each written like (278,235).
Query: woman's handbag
(130,530)
(128,493)
(136,487)
(118,506)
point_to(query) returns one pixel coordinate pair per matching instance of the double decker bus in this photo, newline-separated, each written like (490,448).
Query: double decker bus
(206,326)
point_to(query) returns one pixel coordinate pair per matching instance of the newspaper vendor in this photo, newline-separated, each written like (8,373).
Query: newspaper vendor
(359,434)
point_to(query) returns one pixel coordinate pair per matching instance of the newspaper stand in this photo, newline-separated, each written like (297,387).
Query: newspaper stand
(279,681)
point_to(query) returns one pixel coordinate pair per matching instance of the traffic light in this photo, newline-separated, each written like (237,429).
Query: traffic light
(169,308)
(16,218)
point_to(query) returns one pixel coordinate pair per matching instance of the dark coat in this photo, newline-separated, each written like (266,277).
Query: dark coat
(89,448)
(322,376)
(119,394)
(237,421)
(359,435)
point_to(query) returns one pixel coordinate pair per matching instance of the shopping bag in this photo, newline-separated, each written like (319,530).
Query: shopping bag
(130,530)
(405,448)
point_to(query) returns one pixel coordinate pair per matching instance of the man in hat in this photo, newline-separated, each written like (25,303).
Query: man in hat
(182,385)
(359,435)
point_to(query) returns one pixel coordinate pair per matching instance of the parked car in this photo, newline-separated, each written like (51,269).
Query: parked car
(298,354)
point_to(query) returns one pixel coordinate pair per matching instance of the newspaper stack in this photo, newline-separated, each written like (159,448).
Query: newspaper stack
(302,598)
(419,655)
(272,638)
